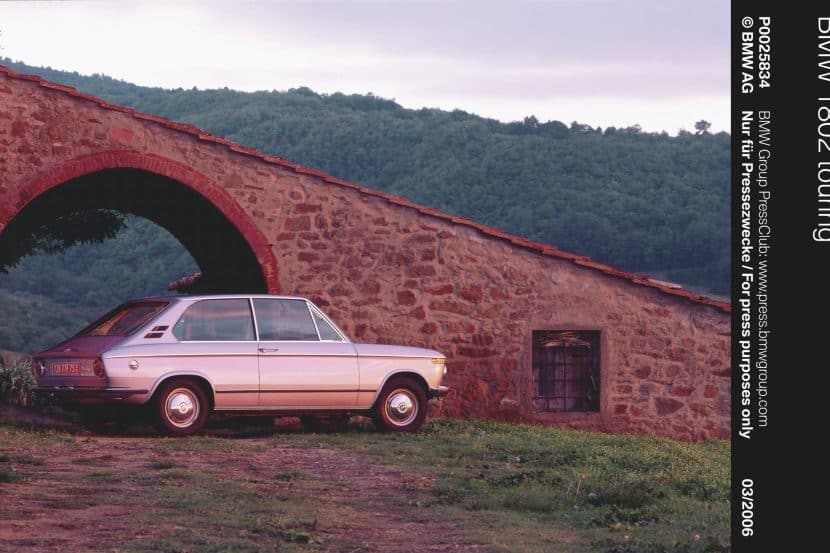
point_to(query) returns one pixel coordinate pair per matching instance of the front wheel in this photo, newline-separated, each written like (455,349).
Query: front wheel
(401,407)
(182,408)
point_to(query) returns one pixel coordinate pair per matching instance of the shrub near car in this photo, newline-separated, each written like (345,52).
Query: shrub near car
(190,356)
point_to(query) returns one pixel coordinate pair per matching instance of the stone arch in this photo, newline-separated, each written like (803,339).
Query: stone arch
(145,173)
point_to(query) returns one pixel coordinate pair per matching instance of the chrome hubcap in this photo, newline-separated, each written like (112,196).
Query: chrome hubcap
(181,407)
(401,407)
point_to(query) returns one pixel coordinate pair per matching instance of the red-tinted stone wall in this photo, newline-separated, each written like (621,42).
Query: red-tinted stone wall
(393,272)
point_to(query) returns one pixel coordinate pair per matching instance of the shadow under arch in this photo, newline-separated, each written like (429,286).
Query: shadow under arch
(230,250)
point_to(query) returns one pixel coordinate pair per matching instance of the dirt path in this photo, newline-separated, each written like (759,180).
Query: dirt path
(78,492)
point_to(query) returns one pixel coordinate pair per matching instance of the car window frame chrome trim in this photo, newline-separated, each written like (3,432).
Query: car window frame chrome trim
(253,314)
(311,316)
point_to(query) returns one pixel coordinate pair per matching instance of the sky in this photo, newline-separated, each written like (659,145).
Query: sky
(662,64)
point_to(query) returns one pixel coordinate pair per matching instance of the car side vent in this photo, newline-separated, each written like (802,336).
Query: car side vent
(154,335)
(160,328)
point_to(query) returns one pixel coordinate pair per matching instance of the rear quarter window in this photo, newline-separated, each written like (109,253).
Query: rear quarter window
(125,319)
(216,320)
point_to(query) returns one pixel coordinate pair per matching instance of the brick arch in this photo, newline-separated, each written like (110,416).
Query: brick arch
(125,159)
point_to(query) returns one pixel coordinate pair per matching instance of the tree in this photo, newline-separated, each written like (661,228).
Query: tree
(51,234)
(531,122)
(702,126)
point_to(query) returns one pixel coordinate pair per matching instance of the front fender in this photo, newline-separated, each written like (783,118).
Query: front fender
(400,372)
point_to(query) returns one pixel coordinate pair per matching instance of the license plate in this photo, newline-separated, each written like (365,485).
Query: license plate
(66,368)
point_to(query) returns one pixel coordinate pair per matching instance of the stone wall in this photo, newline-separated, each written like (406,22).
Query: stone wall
(391,275)
(393,272)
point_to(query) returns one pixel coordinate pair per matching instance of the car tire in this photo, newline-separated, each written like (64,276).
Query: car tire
(181,408)
(401,406)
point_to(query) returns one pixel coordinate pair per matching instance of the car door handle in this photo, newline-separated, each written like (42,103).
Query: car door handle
(268,350)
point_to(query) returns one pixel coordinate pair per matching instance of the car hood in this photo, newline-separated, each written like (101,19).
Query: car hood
(82,346)
(379,350)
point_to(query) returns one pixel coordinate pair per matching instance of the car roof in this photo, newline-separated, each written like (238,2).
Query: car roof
(194,297)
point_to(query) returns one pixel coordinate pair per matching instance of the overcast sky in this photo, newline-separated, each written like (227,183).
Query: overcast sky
(663,64)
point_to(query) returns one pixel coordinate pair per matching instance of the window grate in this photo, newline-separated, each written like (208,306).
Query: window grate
(566,373)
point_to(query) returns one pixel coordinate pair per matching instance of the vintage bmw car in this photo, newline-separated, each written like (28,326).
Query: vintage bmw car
(188,357)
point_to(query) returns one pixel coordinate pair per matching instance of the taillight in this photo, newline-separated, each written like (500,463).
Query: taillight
(98,367)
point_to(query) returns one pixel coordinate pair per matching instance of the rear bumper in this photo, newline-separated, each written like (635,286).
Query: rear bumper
(438,392)
(72,394)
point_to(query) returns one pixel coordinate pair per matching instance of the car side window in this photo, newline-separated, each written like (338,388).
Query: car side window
(284,319)
(216,320)
(327,332)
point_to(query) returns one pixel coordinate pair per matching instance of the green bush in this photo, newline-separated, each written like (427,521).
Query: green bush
(17,381)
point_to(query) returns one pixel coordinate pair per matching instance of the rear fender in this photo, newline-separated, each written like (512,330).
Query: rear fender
(182,373)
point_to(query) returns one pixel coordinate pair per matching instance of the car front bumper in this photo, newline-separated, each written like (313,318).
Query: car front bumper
(438,392)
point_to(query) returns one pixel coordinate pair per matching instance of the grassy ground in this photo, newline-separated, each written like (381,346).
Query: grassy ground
(453,486)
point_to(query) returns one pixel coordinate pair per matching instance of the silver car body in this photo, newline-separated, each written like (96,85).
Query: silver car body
(303,375)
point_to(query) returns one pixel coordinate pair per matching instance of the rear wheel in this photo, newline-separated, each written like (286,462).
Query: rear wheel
(182,408)
(401,407)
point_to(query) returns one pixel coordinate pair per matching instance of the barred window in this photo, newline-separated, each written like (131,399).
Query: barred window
(566,370)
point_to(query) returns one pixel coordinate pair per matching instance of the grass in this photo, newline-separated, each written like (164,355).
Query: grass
(617,493)
(497,487)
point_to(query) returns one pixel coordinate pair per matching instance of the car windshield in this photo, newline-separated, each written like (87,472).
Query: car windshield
(125,319)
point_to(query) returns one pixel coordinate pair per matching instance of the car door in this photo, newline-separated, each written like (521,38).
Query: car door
(216,339)
(298,370)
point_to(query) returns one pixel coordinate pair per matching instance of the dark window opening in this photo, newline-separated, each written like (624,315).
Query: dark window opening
(566,370)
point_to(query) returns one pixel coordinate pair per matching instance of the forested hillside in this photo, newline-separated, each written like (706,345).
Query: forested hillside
(646,202)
